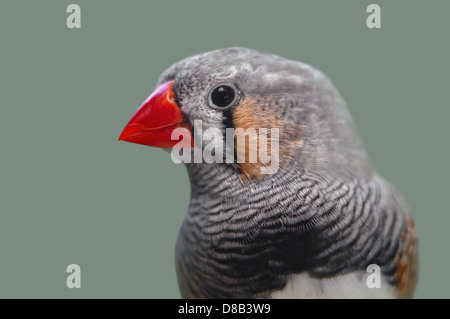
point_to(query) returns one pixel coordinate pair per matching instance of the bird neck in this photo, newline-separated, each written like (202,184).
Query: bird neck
(212,179)
(218,180)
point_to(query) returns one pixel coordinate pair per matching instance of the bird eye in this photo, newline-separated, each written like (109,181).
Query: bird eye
(223,96)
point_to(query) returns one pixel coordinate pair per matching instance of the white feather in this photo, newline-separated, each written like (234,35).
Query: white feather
(353,285)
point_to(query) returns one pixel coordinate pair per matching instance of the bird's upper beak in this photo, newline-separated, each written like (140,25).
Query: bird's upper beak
(156,119)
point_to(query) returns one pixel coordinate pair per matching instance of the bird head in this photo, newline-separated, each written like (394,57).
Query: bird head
(301,112)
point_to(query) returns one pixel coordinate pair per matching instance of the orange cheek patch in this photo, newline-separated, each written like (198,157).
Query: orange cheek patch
(248,119)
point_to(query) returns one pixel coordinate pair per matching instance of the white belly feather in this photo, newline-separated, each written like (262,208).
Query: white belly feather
(353,285)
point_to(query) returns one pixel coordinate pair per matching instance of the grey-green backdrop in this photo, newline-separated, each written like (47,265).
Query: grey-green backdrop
(70,193)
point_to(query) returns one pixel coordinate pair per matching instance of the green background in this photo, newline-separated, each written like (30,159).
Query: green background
(70,193)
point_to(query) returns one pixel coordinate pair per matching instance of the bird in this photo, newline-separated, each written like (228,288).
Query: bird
(319,225)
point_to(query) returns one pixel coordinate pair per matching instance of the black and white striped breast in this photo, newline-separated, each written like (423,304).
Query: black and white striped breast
(250,241)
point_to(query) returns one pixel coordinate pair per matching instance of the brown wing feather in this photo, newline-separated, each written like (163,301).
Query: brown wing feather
(406,274)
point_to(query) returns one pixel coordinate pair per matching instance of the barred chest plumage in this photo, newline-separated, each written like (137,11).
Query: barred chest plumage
(291,236)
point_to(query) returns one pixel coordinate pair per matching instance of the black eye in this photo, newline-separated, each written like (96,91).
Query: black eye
(223,96)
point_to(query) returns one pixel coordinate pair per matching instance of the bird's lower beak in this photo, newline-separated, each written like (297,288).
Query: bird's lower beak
(156,119)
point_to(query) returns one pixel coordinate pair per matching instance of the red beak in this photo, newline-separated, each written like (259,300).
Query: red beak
(155,120)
